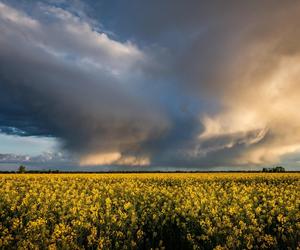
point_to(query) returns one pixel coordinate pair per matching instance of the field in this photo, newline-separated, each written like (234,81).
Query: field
(144,211)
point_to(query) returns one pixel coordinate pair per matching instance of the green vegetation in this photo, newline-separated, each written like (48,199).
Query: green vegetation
(278,169)
(22,169)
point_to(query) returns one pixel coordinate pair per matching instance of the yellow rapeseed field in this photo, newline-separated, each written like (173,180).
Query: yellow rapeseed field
(144,211)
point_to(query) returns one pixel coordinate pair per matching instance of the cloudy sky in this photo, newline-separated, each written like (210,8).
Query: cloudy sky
(149,84)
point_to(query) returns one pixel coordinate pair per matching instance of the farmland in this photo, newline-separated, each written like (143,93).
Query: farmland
(144,211)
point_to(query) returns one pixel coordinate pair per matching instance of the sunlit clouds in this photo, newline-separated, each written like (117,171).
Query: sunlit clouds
(113,158)
(195,85)
(261,116)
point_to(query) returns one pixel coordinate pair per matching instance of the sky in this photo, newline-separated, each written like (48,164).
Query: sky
(149,85)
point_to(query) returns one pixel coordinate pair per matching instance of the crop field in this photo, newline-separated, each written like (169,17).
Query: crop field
(144,211)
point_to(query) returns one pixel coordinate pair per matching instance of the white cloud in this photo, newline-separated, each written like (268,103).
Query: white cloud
(69,37)
(13,16)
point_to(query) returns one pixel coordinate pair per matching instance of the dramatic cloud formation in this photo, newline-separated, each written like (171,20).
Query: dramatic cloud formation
(154,83)
(69,81)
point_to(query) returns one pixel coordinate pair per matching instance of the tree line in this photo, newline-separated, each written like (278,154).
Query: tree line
(22,169)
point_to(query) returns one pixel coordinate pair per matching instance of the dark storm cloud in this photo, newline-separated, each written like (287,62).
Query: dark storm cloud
(74,86)
(153,82)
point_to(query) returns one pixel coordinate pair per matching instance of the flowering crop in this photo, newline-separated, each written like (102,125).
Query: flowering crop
(144,211)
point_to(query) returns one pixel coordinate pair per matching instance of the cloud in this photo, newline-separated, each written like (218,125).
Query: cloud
(13,16)
(63,79)
(46,157)
(268,107)
(154,83)
(113,158)
(259,93)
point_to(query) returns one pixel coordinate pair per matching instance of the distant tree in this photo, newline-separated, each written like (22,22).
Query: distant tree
(22,169)
(277,169)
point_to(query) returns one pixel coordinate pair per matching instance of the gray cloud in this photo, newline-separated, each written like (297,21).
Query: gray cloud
(76,86)
(173,83)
